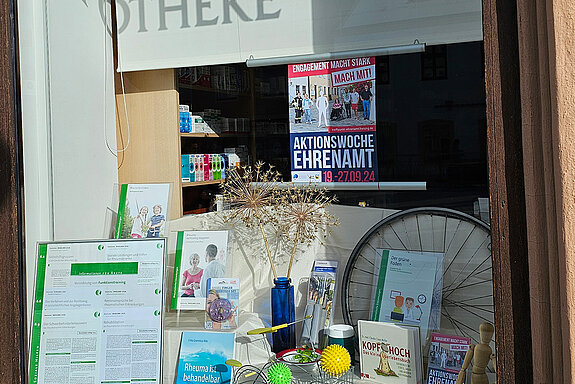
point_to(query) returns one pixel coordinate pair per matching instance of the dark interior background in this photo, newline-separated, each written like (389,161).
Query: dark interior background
(431,125)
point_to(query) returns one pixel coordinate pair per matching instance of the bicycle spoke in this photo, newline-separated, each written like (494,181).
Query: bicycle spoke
(466,286)
(469,260)
(398,238)
(463,307)
(459,250)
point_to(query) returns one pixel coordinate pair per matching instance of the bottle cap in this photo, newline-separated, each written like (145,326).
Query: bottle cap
(341,331)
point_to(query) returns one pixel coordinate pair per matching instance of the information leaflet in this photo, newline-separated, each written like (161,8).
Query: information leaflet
(332,120)
(98,312)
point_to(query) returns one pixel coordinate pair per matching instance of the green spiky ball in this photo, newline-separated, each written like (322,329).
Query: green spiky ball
(279,373)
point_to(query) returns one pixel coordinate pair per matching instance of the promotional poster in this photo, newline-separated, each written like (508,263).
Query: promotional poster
(200,255)
(332,121)
(446,355)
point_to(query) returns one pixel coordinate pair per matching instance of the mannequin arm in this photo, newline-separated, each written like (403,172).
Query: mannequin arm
(465,365)
(494,361)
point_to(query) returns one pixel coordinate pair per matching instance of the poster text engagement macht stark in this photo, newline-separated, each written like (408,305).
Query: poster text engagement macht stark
(332,120)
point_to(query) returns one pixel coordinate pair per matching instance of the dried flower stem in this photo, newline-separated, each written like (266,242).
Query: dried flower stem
(295,242)
(268,250)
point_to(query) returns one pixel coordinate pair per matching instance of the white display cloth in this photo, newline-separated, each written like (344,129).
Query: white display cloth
(249,263)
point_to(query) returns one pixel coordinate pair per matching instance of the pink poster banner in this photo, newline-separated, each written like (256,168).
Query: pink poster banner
(332,103)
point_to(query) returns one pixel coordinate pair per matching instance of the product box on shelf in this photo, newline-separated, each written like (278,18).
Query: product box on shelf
(205,167)
(199,125)
(185,122)
(186,168)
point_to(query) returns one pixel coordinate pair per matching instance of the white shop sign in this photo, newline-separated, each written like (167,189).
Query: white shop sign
(156,34)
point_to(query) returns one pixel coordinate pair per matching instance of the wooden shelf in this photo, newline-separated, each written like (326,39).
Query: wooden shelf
(199,183)
(215,135)
(199,135)
(231,92)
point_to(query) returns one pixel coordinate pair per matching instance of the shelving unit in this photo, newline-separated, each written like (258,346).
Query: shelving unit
(151,138)
(156,145)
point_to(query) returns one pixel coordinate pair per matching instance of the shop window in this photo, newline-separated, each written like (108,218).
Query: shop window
(383,70)
(435,140)
(416,137)
(434,63)
(436,144)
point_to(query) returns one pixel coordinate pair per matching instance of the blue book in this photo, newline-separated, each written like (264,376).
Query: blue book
(203,357)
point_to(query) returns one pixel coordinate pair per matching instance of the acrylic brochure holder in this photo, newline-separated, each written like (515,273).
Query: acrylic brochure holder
(185,305)
(105,295)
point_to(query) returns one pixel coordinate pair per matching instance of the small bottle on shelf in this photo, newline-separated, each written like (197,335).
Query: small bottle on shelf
(200,168)
(192,167)
(211,167)
(223,163)
(206,167)
(217,169)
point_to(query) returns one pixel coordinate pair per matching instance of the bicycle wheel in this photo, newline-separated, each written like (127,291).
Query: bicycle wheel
(467,294)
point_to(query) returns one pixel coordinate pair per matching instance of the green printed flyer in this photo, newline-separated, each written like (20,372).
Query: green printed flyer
(98,312)
(407,287)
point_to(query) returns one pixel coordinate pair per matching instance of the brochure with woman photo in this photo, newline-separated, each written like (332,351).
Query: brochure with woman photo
(200,255)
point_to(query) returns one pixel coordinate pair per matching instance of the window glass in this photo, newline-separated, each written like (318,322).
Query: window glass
(432,131)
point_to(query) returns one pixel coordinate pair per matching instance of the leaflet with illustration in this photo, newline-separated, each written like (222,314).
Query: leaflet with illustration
(98,312)
(407,288)
(203,357)
(200,255)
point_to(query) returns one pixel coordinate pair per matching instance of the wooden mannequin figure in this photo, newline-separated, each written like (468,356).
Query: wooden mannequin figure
(481,354)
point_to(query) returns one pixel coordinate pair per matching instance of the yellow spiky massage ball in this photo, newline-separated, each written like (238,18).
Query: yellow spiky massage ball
(335,360)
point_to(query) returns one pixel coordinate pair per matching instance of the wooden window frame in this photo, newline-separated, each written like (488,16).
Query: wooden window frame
(13,340)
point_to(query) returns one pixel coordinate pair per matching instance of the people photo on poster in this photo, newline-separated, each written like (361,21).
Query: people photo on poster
(142,211)
(200,255)
(446,355)
(332,120)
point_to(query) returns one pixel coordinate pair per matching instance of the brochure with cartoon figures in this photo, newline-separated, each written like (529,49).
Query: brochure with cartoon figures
(142,211)
(203,357)
(222,303)
(446,355)
(200,255)
(407,288)
(390,353)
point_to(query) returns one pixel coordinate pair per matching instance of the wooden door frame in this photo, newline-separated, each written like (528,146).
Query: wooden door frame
(507,193)
(13,344)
